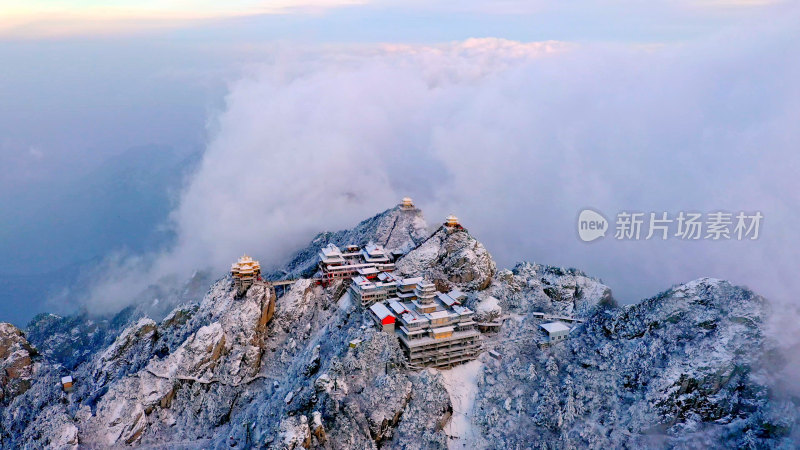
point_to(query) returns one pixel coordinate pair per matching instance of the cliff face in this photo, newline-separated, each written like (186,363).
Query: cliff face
(32,414)
(691,365)
(16,363)
(223,353)
(555,290)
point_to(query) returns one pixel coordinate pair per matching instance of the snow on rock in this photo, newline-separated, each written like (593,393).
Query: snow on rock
(689,367)
(450,258)
(488,309)
(66,436)
(298,301)
(534,287)
(683,367)
(462,386)
(226,351)
(318,428)
(427,413)
(360,397)
(130,351)
(295,433)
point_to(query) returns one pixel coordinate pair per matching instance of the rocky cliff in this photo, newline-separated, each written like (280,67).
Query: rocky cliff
(689,367)
(16,362)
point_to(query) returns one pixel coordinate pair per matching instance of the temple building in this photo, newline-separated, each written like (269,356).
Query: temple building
(451,224)
(407,204)
(425,292)
(383,317)
(451,221)
(245,272)
(367,292)
(375,254)
(355,261)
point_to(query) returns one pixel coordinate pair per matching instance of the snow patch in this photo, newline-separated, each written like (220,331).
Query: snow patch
(461,383)
(488,305)
(345,302)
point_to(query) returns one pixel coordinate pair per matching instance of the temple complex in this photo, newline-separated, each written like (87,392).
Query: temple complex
(334,264)
(434,329)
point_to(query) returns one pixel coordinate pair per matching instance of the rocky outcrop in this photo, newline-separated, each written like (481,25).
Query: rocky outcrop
(33,412)
(76,339)
(219,356)
(450,258)
(336,394)
(130,352)
(16,362)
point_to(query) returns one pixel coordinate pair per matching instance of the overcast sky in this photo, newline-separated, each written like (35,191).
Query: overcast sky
(513,115)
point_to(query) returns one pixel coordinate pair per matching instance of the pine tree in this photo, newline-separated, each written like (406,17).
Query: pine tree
(552,367)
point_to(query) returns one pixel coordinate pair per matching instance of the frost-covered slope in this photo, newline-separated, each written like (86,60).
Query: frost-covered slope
(534,287)
(689,367)
(16,364)
(72,340)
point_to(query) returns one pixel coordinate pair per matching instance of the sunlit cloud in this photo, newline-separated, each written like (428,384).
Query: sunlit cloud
(58,18)
(54,18)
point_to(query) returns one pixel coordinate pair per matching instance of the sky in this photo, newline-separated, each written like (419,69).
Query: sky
(363,20)
(512,115)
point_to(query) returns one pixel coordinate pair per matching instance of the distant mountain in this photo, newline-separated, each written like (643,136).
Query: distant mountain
(690,367)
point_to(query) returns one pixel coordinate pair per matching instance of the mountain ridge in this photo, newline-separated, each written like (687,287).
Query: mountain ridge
(691,364)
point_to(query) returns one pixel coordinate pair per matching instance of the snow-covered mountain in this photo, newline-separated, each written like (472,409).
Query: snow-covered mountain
(690,367)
